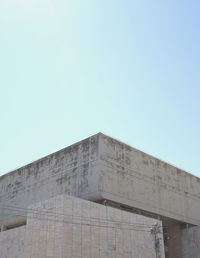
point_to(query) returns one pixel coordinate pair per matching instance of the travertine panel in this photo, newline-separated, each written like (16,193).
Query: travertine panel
(68,227)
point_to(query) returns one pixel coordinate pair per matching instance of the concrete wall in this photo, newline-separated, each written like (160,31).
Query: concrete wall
(73,170)
(182,243)
(190,242)
(101,167)
(64,226)
(12,243)
(172,239)
(139,180)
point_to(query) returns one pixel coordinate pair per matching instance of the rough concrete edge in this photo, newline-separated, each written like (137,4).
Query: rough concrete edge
(46,156)
(166,162)
(102,134)
(124,201)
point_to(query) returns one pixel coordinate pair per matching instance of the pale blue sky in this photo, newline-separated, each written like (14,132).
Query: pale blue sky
(69,69)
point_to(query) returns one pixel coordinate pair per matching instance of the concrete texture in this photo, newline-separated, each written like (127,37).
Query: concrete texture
(68,227)
(12,243)
(182,242)
(139,180)
(173,245)
(190,242)
(101,167)
(73,171)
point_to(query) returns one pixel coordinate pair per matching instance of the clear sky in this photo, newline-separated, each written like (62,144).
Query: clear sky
(130,69)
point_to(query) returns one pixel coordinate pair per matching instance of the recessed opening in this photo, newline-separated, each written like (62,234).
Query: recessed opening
(13,224)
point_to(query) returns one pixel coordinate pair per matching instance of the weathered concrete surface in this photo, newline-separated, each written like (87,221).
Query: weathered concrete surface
(139,180)
(190,243)
(73,170)
(172,236)
(182,242)
(68,227)
(12,243)
(101,167)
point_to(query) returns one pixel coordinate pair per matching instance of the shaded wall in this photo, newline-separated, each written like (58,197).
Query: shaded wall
(190,241)
(172,239)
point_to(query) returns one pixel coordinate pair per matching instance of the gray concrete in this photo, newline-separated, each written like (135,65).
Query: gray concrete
(73,171)
(173,246)
(12,243)
(134,178)
(101,167)
(182,242)
(190,243)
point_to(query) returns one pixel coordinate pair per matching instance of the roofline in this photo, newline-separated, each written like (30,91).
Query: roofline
(46,156)
(172,165)
(99,133)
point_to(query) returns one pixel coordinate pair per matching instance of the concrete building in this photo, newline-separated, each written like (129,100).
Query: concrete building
(162,199)
(69,227)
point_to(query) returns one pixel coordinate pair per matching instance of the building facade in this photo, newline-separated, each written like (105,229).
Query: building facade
(69,227)
(107,173)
